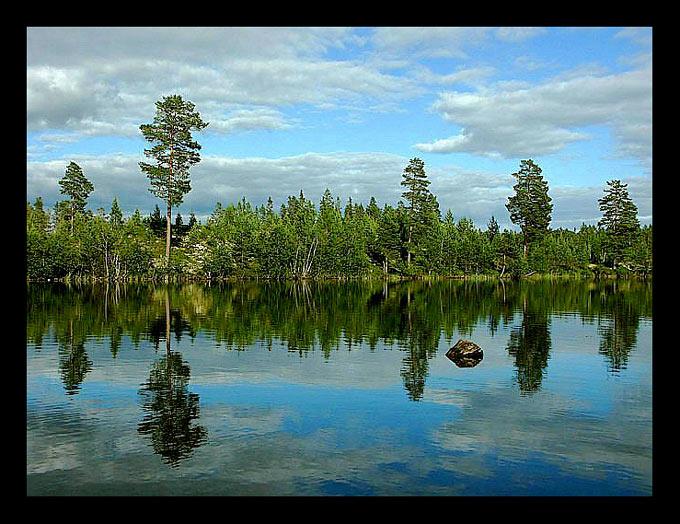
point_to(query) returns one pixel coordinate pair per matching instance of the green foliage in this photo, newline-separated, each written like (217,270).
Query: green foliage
(530,207)
(330,234)
(78,188)
(620,223)
(116,214)
(174,152)
(156,222)
(421,204)
(492,229)
(303,241)
(170,410)
(37,219)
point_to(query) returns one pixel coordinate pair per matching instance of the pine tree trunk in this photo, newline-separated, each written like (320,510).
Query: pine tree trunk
(169,217)
(167,236)
(106,259)
(410,233)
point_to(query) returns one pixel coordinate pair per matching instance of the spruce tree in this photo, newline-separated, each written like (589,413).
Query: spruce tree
(37,218)
(417,195)
(116,216)
(156,222)
(77,187)
(530,207)
(174,151)
(330,229)
(619,220)
(492,228)
(373,210)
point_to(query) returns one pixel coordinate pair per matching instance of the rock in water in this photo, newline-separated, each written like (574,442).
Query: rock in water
(465,354)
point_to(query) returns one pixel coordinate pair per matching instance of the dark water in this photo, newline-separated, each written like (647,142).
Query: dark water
(339,389)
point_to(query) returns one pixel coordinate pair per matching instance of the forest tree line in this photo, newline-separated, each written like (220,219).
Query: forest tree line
(301,240)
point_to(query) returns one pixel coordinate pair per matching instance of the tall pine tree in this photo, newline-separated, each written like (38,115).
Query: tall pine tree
(174,151)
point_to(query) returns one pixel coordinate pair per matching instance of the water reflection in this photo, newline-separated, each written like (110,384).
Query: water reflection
(74,364)
(170,408)
(339,387)
(529,344)
(413,317)
(419,341)
(618,330)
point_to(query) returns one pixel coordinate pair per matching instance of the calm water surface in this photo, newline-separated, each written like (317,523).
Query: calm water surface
(339,389)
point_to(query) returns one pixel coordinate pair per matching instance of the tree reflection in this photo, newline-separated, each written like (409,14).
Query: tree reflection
(74,364)
(530,344)
(331,316)
(170,408)
(419,341)
(618,330)
(414,371)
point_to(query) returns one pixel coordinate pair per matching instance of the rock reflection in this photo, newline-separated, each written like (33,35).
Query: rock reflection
(170,408)
(413,317)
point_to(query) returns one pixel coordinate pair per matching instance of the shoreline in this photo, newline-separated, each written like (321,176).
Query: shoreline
(609,275)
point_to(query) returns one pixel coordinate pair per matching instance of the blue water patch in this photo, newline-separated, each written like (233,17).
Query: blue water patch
(558,406)
(344,411)
(345,488)
(536,475)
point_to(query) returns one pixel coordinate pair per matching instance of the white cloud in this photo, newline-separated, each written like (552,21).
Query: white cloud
(96,81)
(206,45)
(428,41)
(450,42)
(113,175)
(227,180)
(90,82)
(60,98)
(543,119)
(250,119)
(462,75)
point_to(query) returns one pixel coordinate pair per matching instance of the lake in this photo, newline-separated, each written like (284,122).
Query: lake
(339,388)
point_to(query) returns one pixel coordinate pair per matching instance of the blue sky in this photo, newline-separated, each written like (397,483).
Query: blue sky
(345,109)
